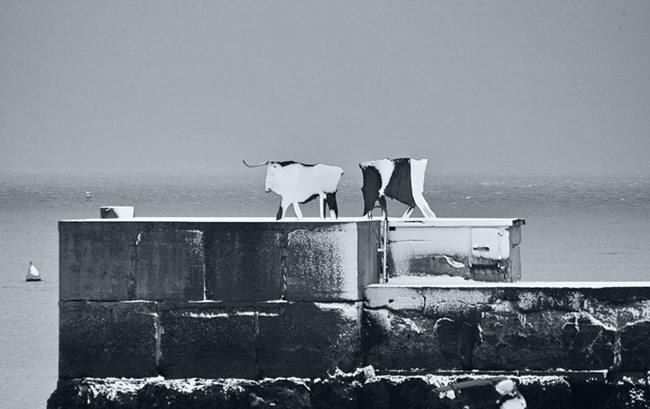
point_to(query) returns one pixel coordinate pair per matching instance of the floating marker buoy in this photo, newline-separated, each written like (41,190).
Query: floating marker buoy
(32,273)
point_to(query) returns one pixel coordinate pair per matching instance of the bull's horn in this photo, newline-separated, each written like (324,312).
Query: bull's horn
(254,166)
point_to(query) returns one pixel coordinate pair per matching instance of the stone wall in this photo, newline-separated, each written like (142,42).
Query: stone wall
(213,297)
(566,326)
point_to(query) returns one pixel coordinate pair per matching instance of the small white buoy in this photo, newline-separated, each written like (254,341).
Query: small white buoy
(32,273)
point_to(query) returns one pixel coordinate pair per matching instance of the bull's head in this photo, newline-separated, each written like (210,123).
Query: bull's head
(270,173)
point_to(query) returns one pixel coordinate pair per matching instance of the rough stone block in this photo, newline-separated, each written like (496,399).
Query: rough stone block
(635,346)
(309,339)
(122,260)
(388,392)
(330,262)
(100,339)
(507,327)
(510,341)
(293,261)
(243,262)
(208,341)
(170,264)
(97,260)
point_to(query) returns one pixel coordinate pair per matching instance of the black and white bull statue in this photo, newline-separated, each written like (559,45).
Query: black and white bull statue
(400,179)
(299,183)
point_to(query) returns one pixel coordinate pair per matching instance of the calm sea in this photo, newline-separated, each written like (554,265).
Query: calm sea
(578,228)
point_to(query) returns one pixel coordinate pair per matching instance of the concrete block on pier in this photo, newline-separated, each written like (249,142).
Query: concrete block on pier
(309,339)
(570,326)
(294,261)
(208,341)
(99,339)
(217,259)
(113,261)
(252,340)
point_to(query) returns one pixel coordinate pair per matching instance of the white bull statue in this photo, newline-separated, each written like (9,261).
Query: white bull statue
(299,183)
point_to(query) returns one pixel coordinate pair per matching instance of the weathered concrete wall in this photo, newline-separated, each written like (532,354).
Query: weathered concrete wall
(508,327)
(212,297)
(475,249)
(216,259)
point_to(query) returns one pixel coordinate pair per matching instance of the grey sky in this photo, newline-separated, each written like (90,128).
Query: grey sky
(493,86)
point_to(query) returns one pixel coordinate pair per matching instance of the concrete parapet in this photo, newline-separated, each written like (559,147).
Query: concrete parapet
(217,259)
(295,261)
(508,327)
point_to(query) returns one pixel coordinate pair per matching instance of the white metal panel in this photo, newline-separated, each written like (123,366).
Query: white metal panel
(492,244)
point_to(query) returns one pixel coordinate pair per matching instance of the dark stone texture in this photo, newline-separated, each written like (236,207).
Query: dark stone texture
(297,261)
(208,341)
(506,328)
(336,393)
(635,346)
(546,392)
(456,340)
(394,392)
(95,264)
(509,343)
(115,261)
(119,260)
(400,341)
(192,395)
(309,339)
(244,262)
(347,391)
(170,265)
(589,344)
(107,339)
(280,393)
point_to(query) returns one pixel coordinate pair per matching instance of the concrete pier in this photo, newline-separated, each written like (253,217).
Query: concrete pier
(284,313)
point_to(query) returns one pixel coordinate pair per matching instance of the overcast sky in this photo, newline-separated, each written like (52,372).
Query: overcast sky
(474,86)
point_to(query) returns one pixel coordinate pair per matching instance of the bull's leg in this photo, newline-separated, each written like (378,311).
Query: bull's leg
(331,203)
(282,211)
(422,204)
(296,209)
(322,205)
(408,212)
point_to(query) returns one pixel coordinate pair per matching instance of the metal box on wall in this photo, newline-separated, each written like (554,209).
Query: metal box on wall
(476,249)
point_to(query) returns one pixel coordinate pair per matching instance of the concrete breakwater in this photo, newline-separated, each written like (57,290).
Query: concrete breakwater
(242,302)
